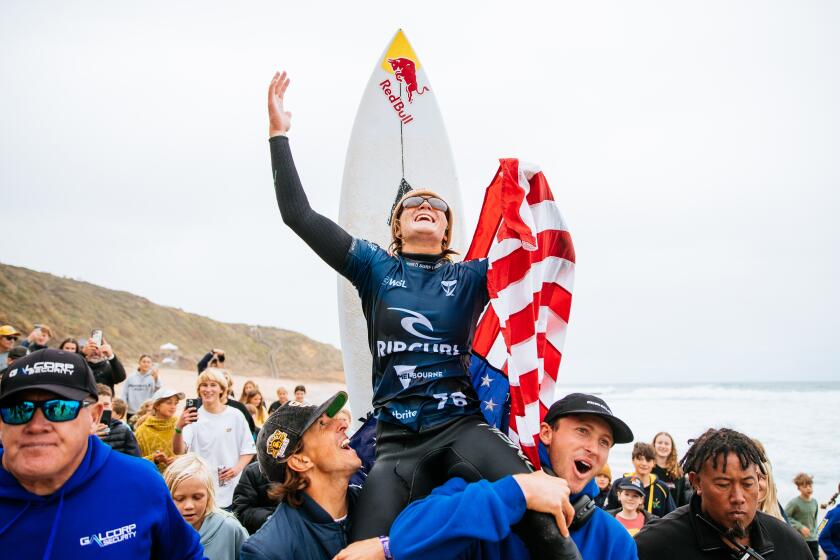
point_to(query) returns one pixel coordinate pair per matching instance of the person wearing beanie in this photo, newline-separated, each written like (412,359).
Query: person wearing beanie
(604,481)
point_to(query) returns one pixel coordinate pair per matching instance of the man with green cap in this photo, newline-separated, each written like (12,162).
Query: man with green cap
(306,450)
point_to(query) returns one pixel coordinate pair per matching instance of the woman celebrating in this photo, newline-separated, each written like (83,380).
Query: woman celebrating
(191,485)
(667,468)
(421,310)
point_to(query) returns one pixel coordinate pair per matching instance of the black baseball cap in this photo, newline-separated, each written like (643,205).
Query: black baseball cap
(66,374)
(633,484)
(581,403)
(281,433)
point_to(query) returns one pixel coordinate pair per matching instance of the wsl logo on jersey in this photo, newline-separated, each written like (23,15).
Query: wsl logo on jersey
(113,536)
(393,283)
(411,323)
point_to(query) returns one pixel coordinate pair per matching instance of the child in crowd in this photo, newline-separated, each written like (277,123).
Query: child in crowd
(658,499)
(141,385)
(802,512)
(119,410)
(631,514)
(114,433)
(190,483)
(300,394)
(830,529)
(145,410)
(604,481)
(156,430)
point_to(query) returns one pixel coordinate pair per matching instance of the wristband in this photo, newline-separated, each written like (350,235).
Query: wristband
(177,430)
(386,547)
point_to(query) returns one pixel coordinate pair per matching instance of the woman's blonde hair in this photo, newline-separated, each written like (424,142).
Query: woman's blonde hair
(189,466)
(395,248)
(146,409)
(770,503)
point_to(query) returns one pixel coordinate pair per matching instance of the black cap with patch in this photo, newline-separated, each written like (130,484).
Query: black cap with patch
(581,403)
(281,433)
(66,374)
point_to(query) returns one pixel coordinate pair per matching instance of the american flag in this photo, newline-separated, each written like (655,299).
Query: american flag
(518,343)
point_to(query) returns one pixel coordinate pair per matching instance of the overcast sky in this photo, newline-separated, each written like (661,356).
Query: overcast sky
(694,147)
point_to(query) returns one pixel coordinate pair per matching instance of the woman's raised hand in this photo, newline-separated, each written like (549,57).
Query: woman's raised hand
(279,120)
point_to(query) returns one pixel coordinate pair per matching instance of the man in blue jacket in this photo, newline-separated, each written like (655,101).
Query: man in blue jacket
(460,520)
(54,473)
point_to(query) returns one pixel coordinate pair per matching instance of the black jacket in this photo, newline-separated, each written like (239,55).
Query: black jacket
(251,503)
(108,372)
(680,489)
(681,535)
(121,439)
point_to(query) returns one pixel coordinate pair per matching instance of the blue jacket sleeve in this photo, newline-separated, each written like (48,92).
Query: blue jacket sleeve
(830,535)
(444,524)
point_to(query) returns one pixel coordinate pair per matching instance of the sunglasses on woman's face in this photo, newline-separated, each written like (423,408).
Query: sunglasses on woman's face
(434,202)
(55,410)
(12,338)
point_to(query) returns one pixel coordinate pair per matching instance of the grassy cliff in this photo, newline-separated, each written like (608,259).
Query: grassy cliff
(134,325)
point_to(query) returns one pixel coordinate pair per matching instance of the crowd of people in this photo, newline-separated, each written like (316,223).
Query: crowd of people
(426,476)
(282,488)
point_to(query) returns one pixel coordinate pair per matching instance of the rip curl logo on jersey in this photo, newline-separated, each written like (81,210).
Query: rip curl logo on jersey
(415,319)
(113,536)
(410,324)
(277,444)
(44,367)
(448,287)
(406,374)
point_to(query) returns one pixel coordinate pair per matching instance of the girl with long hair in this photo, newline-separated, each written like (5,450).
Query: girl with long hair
(667,468)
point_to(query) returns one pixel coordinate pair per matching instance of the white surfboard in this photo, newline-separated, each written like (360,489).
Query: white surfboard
(398,143)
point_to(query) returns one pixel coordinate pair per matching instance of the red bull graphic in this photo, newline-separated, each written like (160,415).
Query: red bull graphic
(395,101)
(406,71)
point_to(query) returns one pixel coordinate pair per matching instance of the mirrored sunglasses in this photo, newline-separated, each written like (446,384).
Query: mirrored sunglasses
(434,202)
(55,410)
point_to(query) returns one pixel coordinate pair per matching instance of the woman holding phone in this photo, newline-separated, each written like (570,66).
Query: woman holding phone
(430,427)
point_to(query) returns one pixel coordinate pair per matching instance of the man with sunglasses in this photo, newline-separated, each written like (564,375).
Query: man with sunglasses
(8,336)
(54,472)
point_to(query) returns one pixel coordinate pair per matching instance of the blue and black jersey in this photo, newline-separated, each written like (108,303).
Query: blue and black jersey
(421,314)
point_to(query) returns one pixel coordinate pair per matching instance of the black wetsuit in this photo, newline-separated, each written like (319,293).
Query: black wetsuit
(421,312)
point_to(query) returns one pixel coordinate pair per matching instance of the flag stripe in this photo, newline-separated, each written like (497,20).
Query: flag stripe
(530,279)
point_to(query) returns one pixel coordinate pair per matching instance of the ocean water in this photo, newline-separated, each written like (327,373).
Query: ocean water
(796,422)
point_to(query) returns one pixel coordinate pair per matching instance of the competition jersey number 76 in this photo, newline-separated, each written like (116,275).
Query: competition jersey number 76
(458,399)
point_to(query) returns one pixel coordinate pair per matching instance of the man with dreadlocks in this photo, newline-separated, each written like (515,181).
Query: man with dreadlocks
(721,521)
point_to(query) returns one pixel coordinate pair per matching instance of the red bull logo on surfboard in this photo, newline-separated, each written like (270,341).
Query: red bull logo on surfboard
(401,61)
